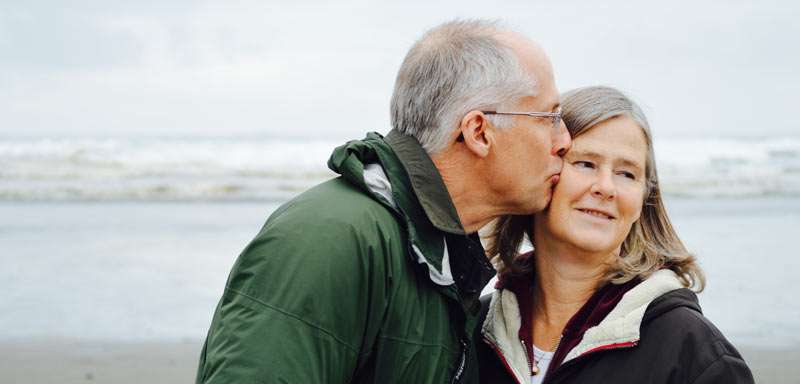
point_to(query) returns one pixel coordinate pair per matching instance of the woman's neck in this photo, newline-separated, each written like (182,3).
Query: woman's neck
(565,279)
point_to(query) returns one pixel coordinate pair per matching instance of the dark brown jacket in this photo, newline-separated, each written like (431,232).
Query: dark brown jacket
(667,340)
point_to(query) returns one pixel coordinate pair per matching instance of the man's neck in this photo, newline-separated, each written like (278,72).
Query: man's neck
(472,202)
(473,214)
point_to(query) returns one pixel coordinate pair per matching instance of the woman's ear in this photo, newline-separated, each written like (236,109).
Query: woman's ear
(476,133)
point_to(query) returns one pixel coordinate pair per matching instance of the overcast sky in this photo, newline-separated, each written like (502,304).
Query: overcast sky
(326,68)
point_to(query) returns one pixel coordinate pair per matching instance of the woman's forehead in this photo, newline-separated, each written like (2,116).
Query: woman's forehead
(618,139)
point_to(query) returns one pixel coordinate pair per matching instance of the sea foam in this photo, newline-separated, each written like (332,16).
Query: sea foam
(274,170)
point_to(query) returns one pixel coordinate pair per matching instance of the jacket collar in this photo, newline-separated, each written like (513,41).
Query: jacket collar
(427,182)
(397,172)
(622,325)
(619,328)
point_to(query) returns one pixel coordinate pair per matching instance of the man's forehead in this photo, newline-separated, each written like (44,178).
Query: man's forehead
(531,55)
(536,63)
(542,102)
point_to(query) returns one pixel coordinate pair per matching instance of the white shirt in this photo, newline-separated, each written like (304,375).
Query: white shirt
(542,359)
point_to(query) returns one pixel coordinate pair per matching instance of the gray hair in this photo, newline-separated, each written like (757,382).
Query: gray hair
(455,68)
(584,108)
(652,242)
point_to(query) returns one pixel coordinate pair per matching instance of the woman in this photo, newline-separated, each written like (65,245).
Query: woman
(604,297)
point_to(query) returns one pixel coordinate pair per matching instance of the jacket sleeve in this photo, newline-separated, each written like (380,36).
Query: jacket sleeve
(726,369)
(302,305)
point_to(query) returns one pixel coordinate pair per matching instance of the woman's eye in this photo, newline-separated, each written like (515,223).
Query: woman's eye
(584,164)
(628,175)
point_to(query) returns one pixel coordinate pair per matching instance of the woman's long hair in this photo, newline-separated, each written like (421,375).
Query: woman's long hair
(651,244)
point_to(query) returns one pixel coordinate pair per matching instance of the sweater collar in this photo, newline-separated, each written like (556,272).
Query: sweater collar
(599,305)
(611,318)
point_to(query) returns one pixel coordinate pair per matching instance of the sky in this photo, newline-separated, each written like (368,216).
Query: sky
(326,69)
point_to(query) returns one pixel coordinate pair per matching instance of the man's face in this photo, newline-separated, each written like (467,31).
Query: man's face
(528,161)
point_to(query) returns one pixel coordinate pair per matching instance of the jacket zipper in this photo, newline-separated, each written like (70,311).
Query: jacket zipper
(502,358)
(461,364)
(528,357)
(590,352)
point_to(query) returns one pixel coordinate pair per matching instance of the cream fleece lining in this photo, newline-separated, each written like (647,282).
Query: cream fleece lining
(501,328)
(621,325)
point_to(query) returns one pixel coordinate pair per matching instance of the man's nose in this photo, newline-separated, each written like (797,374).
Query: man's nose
(561,142)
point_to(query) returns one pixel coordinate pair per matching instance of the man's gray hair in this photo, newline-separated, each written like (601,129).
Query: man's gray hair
(457,67)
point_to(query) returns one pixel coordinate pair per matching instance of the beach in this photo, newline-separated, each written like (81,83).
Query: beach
(167,363)
(123,292)
(143,145)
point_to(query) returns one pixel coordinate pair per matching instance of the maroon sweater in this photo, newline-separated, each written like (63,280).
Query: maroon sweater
(591,314)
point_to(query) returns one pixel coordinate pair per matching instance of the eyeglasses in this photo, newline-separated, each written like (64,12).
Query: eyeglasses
(556,116)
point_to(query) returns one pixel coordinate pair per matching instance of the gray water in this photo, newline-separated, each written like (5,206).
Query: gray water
(237,169)
(155,270)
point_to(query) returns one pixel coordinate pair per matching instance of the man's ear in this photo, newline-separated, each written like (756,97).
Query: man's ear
(476,133)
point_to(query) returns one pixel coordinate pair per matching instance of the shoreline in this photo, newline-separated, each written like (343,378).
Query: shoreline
(78,361)
(155,362)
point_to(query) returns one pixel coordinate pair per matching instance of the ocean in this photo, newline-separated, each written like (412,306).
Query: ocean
(184,169)
(132,240)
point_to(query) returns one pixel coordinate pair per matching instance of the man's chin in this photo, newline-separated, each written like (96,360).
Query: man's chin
(540,205)
(545,201)
(534,203)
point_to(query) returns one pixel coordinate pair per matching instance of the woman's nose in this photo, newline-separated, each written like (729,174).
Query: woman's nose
(604,186)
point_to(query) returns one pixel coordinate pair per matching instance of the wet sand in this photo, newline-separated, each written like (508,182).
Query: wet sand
(161,362)
(69,362)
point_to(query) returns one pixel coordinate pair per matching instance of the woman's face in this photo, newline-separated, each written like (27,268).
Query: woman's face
(601,190)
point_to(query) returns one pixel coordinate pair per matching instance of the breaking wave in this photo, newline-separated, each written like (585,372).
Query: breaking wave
(267,169)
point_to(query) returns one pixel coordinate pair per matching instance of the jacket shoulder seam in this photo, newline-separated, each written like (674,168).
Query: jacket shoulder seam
(714,334)
(711,334)
(421,344)
(713,363)
(715,339)
(298,318)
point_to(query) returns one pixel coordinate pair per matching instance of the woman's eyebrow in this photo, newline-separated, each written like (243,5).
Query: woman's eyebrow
(584,153)
(594,155)
(631,163)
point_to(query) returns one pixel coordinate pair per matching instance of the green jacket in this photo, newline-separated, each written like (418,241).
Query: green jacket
(352,281)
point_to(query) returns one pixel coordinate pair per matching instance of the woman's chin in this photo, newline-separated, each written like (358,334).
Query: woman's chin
(593,242)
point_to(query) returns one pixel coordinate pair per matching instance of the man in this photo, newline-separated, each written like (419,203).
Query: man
(374,276)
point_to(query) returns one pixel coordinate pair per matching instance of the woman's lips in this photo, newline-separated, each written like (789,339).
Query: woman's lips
(596,213)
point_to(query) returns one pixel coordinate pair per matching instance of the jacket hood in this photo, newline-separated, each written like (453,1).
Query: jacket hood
(622,325)
(397,172)
(348,160)
(371,165)
(671,300)
(419,171)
